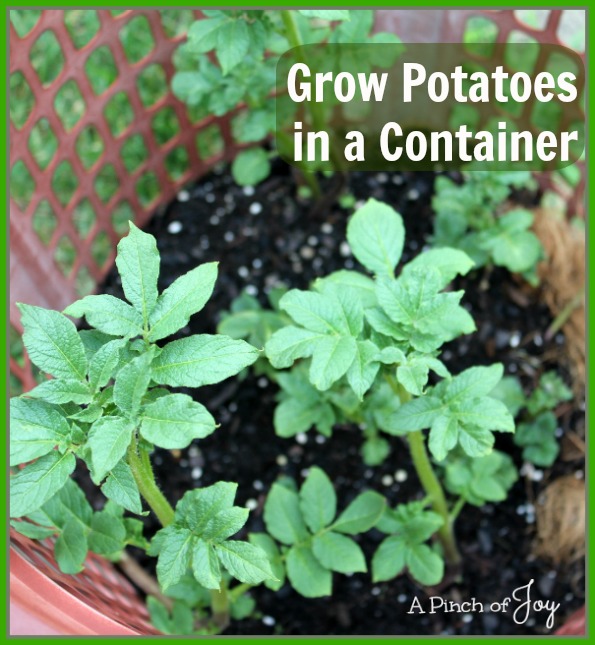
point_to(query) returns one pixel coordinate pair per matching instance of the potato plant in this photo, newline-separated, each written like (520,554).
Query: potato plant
(471,217)
(230,58)
(359,347)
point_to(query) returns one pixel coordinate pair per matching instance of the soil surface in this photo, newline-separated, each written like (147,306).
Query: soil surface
(266,236)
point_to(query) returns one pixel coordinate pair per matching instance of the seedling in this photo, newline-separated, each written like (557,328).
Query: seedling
(367,344)
(108,405)
(246,45)
(470,217)
(536,432)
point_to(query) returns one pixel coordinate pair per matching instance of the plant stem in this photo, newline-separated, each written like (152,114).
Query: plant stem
(429,481)
(142,470)
(432,487)
(220,606)
(565,313)
(239,590)
(316,109)
(456,509)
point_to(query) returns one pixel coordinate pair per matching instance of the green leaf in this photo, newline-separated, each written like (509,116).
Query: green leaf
(448,262)
(185,297)
(364,368)
(35,429)
(203,359)
(225,524)
(108,314)
(324,314)
(175,555)
(307,576)
(53,343)
(338,553)
(389,559)
(376,235)
(103,364)
(444,435)
(93,340)
(198,507)
(355,284)
(250,167)
(205,565)
(108,534)
(318,501)
(233,43)
(374,451)
(62,391)
(109,438)
(476,442)
(283,517)
(246,562)
(120,486)
(425,565)
(33,531)
(417,414)
(132,382)
(71,548)
(32,486)
(326,14)
(68,503)
(159,615)
(290,343)
(332,357)
(361,515)
(293,416)
(538,439)
(138,264)
(510,392)
(474,382)
(174,421)
(268,545)
(485,412)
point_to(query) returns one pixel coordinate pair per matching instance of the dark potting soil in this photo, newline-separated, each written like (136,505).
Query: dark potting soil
(266,236)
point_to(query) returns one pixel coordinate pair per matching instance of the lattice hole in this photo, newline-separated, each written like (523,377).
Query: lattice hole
(84,218)
(22,184)
(42,143)
(101,69)
(89,146)
(64,182)
(69,104)
(571,29)
(176,162)
(165,125)
(23,20)
(522,56)
(210,142)
(20,100)
(137,39)
(101,248)
(480,35)
(134,152)
(65,255)
(119,113)
(536,18)
(175,22)
(84,283)
(82,25)
(152,84)
(44,221)
(107,183)
(147,188)
(47,58)
(546,116)
(121,215)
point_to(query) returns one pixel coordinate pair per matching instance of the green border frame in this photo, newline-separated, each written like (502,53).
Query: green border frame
(4,283)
